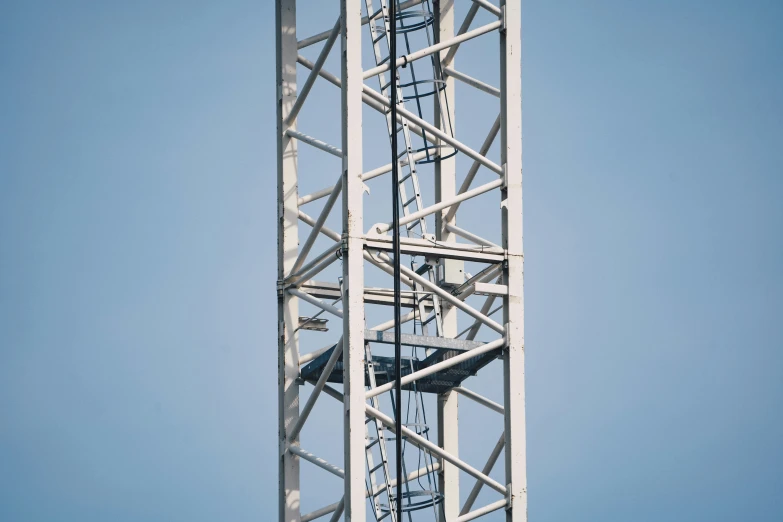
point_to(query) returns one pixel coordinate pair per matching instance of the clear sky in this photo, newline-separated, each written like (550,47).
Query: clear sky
(137,260)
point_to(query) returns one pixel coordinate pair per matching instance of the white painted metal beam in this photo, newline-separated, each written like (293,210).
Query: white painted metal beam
(470,236)
(469,80)
(443,204)
(489,508)
(307,357)
(366,99)
(322,512)
(438,250)
(404,60)
(420,441)
(393,483)
(318,461)
(471,14)
(353,262)
(514,307)
(453,300)
(492,405)
(318,144)
(385,169)
(490,289)
(447,363)
(390,323)
(445,188)
(481,158)
(495,10)
(316,302)
(465,187)
(331,234)
(319,267)
(319,63)
(487,469)
(287,239)
(304,251)
(319,385)
(320,37)
(330,251)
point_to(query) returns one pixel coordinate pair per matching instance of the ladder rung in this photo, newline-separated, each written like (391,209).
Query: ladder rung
(376,13)
(384,61)
(412,200)
(378,38)
(370,445)
(379,466)
(386,85)
(412,224)
(405,177)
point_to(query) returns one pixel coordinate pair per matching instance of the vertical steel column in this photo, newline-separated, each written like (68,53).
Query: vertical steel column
(445,188)
(448,422)
(353,261)
(514,308)
(287,247)
(398,455)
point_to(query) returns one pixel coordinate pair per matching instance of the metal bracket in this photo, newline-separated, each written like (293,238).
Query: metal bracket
(502,28)
(313,324)
(286,446)
(377,230)
(280,288)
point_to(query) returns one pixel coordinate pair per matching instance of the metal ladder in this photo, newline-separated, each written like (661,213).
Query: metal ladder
(380,441)
(404,159)
(380,29)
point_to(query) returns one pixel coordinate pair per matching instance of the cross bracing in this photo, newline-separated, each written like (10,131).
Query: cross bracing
(461,263)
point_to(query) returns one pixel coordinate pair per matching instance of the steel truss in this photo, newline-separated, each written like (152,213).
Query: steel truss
(442,355)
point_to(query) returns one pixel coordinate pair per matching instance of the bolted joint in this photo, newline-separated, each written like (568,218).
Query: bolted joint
(284,448)
(280,289)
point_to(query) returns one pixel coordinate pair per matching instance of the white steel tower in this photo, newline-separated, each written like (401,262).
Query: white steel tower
(461,261)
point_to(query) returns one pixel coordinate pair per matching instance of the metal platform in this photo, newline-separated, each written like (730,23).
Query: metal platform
(438,382)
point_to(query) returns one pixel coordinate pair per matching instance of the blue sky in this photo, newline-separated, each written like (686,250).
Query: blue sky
(137,260)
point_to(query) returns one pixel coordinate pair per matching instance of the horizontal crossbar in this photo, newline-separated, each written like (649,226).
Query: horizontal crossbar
(433,49)
(448,363)
(318,461)
(423,341)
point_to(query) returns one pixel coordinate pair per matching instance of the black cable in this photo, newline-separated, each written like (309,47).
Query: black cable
(397,256)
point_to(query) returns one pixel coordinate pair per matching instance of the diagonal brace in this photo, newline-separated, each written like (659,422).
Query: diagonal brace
(423,443)
(314,73)
(448,363)
(308,407)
